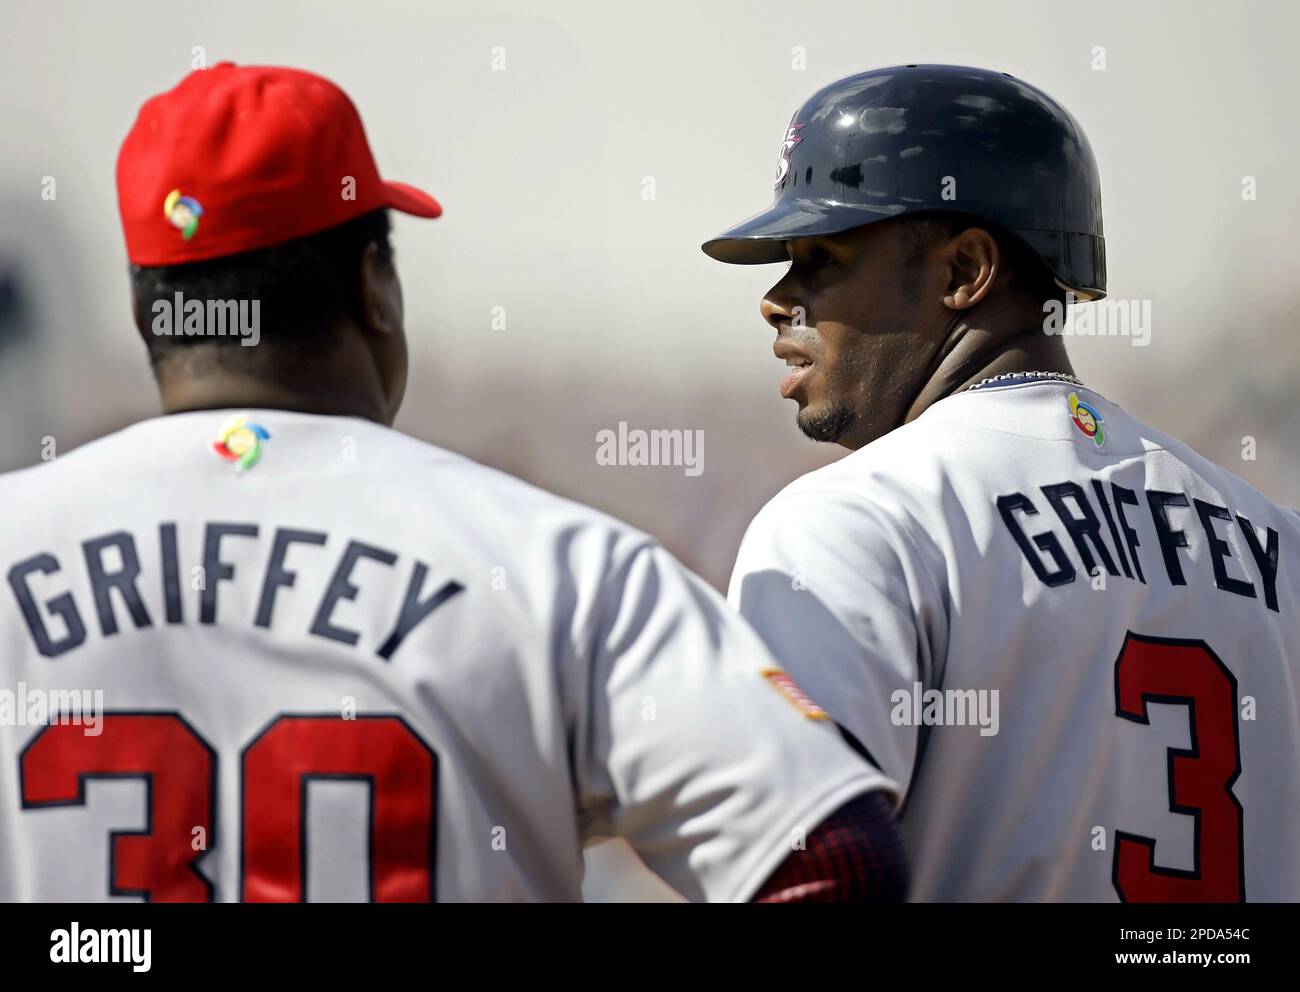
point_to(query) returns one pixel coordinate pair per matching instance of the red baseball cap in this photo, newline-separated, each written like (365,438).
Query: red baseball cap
(243,157)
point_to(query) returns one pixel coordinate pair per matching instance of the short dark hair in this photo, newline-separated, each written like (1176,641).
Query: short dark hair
(303,287)
(1029,273)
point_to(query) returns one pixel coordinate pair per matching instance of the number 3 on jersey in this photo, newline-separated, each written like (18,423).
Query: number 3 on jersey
(1161,670)
(179,770)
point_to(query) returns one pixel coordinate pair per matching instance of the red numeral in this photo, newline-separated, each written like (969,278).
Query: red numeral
(1156,670)
(178,768)
(176,765)
(385,752)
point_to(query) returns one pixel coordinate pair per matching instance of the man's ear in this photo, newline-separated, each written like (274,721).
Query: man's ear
(141,327)
(381,292)
(973,264)
(135,306)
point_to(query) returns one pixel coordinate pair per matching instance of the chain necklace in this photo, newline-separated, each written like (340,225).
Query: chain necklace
(1005,377)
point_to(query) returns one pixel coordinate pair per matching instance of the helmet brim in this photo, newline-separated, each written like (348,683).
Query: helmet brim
(761,239)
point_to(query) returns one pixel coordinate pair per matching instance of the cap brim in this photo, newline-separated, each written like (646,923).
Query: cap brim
(410,200)
(762,238)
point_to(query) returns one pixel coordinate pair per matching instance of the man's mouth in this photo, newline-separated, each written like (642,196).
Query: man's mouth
(800,369)
(799,364)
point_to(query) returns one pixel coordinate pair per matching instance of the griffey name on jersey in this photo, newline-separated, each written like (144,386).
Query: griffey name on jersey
(1093,519)
(113,576)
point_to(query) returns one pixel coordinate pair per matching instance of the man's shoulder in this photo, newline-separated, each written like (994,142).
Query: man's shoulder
(918,479)
(934,473)
(976,440)
(457,477)
(328,462)
(887,478)
(872,500)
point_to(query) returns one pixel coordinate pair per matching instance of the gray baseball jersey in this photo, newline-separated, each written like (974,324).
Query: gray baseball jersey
(1068,636)
(278,656)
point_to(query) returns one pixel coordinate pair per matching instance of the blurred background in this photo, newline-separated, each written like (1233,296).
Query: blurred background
(583,150)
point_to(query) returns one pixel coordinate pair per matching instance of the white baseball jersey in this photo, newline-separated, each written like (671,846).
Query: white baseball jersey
(336,663)
(1070,638)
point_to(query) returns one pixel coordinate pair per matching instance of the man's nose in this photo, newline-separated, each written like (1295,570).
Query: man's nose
(777,308)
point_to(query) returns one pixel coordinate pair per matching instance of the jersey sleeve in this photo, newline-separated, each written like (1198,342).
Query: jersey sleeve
(693,746)
(843,599)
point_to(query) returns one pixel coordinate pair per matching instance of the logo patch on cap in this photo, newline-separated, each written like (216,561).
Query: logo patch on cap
(239,441)
(790,689)
(183,212)
(1088,419)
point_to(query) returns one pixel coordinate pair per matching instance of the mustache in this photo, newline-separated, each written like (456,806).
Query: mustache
(797,333)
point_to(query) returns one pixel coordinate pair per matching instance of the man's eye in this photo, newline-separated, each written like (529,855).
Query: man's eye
(812,258)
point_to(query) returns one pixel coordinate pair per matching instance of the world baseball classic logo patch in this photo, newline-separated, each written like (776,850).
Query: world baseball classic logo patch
(789,688)
(183,212)
(1088,419)
(239,441)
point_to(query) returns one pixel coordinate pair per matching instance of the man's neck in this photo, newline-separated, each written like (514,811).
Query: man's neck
(221,392)
(973,360)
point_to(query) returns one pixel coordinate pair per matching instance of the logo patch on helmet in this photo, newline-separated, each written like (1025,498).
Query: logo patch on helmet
(787,146)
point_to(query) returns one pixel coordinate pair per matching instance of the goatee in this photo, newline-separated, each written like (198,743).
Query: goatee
(827,425)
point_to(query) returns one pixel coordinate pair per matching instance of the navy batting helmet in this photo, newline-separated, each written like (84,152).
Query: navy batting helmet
(923,138)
